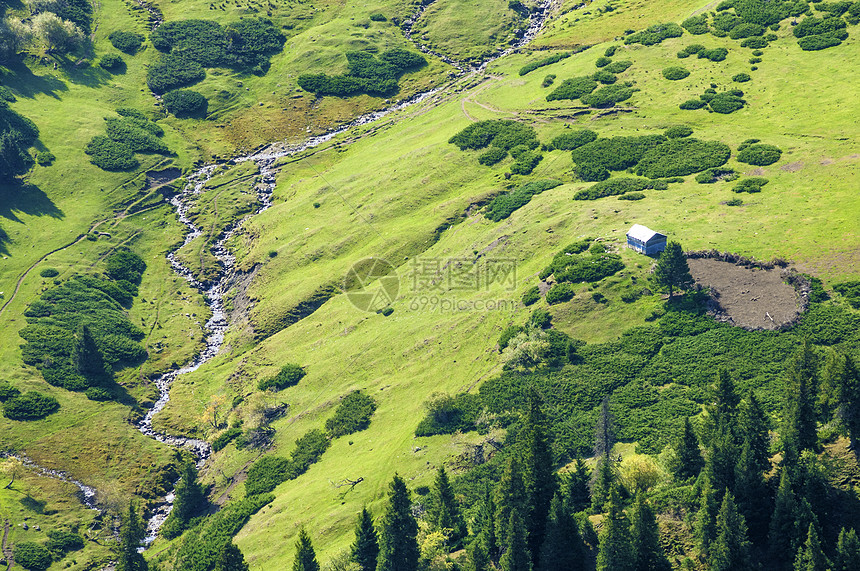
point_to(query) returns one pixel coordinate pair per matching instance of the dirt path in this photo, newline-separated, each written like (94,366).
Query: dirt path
(7,553)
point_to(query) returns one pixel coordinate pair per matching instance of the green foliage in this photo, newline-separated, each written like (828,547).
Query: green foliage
(559,293)
(504,134)
(632,196)
(352,415)
(759,154)
(604,77)
(696,25)
(613,154)
(678,132)
(398,545)
(17,134)
(589,267)
(608,96)
(812,26)
(655,34)
(692,104)
(448,414)
(110,155)
(367,74)
(128,42)
(715,54)
(125,265)
(815,43)
(690,50)
(49,273)
(610,51)
(377,17)
(31,405)
(573,88)
(711,176)
(225,438)
(613,187)
(616,548)
(532,296)
(751,185)
(492,156)
(548,80)
(509,333)
(555,58)
(97,394)
(741,77)
(365,549)
(726,102)
(134,135)
(45,158)
(125,135)
(7,391)
(61,542)
(602,61)
(755,43)
(618,66)
(573,139)
(306,559)
(850,291)
(526,163)
(185,103)
(671,270)
(504,205)
(289,375)
(746,30)
(172,71)
(265,474)
(676,73)
(111,62)
(6,94)
(33,556)
(681,157)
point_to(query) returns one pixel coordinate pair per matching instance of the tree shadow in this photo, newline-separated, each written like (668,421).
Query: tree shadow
(85,73)
(26,199)
(33,504)
(20,79)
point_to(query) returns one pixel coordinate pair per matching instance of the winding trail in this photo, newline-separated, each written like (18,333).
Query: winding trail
(7,553)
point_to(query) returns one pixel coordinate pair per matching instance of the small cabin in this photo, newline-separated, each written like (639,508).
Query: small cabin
(645,241)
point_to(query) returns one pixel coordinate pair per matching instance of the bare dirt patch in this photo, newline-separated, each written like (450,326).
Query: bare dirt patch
(752,298)
(792,167)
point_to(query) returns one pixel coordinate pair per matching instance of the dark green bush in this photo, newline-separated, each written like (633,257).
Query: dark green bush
(612,187)
(49,273)
(734,202)
(111,62)
(367,74)
(604,77)
(343,85)
(352,415)
(266,474)
(572,89)
(172,71)
(711,176)
(716,54)
(185,103)
(555,58)
(746,30)
(540,318)
(655,34)
(754,60)
(675,73)
(585,268)
(504,205)
(573,139)
(755,43)
(509,333)
(610,51)
(6,94)
(97,394)
(741,77)
(289,375)
(763,12)
(690,50)
(632,196)
(548,80)
(61,542)
(614,154)
(531,296)
(759,154)
(447,415)
(618,66)
(225,438)
(726,103)
(7,391)
(591,172)
(813,26)
(129,132)
(33,556)
(31,405)
(559,293)
(503,133)
(492,156)
(835,8)
(45,158)
(693,104)
(696,25)
(815,43)
(850,290)
(128,42)
(377,17)
(681,157)
(608,96)
(602,61)
(751,185)
(526,163)
(678,132)
(125,265)
(724,22)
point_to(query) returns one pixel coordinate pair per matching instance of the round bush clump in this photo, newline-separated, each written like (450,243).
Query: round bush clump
(678,132)
(760,155)
(492,156)
(604,77)
(573,139)
(693,104)
(97,394)
(591,173)
(186,103)
(559,293)
(49,273)
(618,66)
(288,376)
(675,73)
(45,158)
(30,406)
(128,42)
(632,196)
(741,77)
(531,296)
(750,185)
(757,53)
(610,51)
(756,43)
(33,556)
(377,17)
(602,61)
(734,202)
(111,62)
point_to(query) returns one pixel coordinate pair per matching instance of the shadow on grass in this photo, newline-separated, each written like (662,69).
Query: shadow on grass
(33,504)
(26,199)
(89,75)
(25,83)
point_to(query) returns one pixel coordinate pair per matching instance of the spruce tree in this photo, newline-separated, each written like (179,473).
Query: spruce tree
(479,559)
(810,556)
(577,496)
(189,499)
(645,536)
(538,475)
(800,422)
(398,545)
(848,390)
(688,457)
(484,525)
(616,550)
(602,482)
(722,458)
(306,558)
(723,409)
(672,270)
(754,427)
(230,558)
(730,550)
(604,430)
(516,556)
(751,493)
(443,511)
(365,549)
(783,522)
(510,497)
(562,545)
(705,527)
(131,535)
(87,357)
(847,557)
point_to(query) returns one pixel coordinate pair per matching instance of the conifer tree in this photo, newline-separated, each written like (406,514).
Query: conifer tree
(847,556)
(783,521)
(538,475)
(443,511)
(848,390)
(484,525)
(189,499)
(645,536)
(604,430)
(721,462)
(705,528)
(87,357)
(510,496)
(131,535)
(398,544)
(723,409)
(688,458)
(577,496)
(516,556)
(479,559)
(730,551)
(230,558)
(754,427)
(752,493)
(800,422)
(562,546)
(672,270)
(602,481)
(365,549)
(810,556)
(616,551)
(306,558)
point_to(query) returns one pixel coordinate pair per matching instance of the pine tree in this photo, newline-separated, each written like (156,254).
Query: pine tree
(510,496)
(616,550)
(754,427)
(810,556)
(688,457)
(847,556)
(398,545)
(306,558)
(848,390)
(189,499)
(479,559)
(705,528)
(562,546)
(516,556)
(602,482)
(87,357)
(800,430)
(782,530)
(752,493)
(443,511)
(577,497)
(365,549)
(730,551)
(131,535)
(722,458)
(538,474)
(672,270)
(484,525)
(604,431)
(645,537)
(230,558)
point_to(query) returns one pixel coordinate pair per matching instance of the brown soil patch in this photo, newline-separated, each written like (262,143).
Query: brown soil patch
(792,167)
(755,172)
(752,298)
(826,161)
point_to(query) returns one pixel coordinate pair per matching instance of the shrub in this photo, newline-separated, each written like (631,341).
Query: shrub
(755,43)
(531,296)
(693,104)
(757,52)
(632,196)
(681,157)
(734,202)
(741,77)
(585,268)
(289,375)
(716,54)
(678,132)
(540,318)
(696,25)
(675,73)
(111,62)
(850,290)
(750,185)
(655,34)
(726,103)
(724,23)
(448,414)
(618,66)
(608,96)
(129,131)
(6,94)
(590,172)
(128,42)
(615,153)
(185,103)
(572,89)
(377,17)
(266,474)
(602,61)
(573,139)
(817,26)
(759,154)
(110,155)
(7,391)
(502,133)
(754,60)
(612,187)
(171,71)
(367,74)
(604,77)
(61,542)
(225,438)
(33,556)
(745,30)
(508,334)
(504,205)
(555,58)
(548,80)
(690,50)
(815,43)
(492,156)
(526,163)
(352,415)
(45,158)
(610,51)
(125,265)
(49,273)
(31,405)
(559,293)
(711,176)
(97,394)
